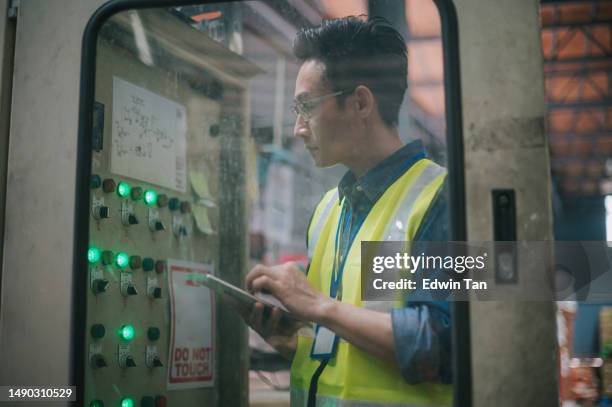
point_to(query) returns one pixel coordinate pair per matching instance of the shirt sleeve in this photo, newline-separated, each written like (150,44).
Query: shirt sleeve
(422,329)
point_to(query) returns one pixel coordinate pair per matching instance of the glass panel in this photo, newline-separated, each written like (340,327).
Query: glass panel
(199,165)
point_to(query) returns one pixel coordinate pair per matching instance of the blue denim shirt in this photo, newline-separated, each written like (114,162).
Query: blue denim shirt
(421,330)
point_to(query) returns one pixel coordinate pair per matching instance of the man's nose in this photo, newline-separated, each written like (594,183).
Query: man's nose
(301,128)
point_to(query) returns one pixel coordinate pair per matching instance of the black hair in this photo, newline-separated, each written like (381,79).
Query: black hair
(358,52)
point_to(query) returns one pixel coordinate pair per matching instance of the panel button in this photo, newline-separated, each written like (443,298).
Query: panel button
(153,333)
(95,181)
(122,259)
(93,255)
(147,401)
(185,207)
(174,204)
(127,332)
(150,197)
(131,290)
(97,331)
(148,264)
(107,257)
(162,200)
(123,189)
(108,185)
(136,193)
(135,262)
(126,402)
(160,266)
(157,362)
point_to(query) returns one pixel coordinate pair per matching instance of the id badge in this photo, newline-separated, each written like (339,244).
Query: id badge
(325,344)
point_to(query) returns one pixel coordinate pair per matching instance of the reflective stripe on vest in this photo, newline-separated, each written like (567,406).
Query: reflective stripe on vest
(299,398)
(321,213)
(397,229)
(354,377)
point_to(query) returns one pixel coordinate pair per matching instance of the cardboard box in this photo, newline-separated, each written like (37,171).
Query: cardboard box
(605,326)
(606,378)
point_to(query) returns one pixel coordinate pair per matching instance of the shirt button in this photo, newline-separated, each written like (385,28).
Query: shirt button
(359,188)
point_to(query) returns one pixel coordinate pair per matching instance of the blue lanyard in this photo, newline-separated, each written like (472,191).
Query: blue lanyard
(340,260)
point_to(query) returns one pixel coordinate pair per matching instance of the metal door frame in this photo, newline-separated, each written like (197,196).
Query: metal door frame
(456,180)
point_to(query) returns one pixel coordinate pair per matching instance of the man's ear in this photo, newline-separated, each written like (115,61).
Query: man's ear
(364,101)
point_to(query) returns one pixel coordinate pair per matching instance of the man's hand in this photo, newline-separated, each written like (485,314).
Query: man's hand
(289,285)
(371,331)
(280,335)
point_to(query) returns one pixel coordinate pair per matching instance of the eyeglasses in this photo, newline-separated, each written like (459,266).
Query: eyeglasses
(305,108)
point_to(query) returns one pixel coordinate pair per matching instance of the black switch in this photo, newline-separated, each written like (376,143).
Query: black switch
(157,292)
(159,226)
(103,212)
(98,361)
(183,231)
(153,333)
(157,362)
(99,286)
(131,290)
(129,362)
(97,331)
(132,220)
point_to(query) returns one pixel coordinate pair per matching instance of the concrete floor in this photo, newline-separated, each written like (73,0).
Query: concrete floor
(261,394)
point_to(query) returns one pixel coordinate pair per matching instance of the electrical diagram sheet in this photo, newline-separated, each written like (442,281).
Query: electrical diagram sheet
(148,137)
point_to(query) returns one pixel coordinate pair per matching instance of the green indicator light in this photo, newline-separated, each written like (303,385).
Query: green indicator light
(122,259)
(127,332)
(96,403)
(150,197)
(123,189)
(93,254)
(126,402)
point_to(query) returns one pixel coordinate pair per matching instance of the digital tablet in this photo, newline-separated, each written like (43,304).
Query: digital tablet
(224,288)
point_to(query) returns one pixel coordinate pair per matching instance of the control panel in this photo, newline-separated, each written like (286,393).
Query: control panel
(167,143)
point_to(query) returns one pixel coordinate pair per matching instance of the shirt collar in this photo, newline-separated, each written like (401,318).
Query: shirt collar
(376,181)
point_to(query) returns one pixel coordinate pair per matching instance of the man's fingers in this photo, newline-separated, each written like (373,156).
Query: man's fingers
(256,317)
(263,283)
(257,272)
(273,320)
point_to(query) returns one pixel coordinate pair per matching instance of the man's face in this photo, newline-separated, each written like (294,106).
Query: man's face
(326,133)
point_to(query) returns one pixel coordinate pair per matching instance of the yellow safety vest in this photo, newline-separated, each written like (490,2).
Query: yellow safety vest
(353,377)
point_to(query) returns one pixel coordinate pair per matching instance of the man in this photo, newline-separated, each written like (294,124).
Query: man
(348,93)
